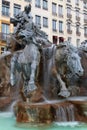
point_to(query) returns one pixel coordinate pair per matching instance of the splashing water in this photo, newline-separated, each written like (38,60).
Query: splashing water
(65,113)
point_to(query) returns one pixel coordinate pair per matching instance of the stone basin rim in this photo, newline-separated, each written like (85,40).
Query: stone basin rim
(81,99)
(77,98)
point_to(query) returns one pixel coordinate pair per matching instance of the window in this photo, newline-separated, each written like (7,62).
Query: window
(85,30)
(38,20)
(54,25)
(77,2)
(5,30)
(60,10)
(61,39)
(60,26)
(2,49)
(85,16)
(84,4)
(27,0)
(68,11)
(17,9)
(68,0)
(45,4)
(5,8)
(78,42)
(54,9)
(54,39)
(77,13)
(45,22)
(77,28)
(69,26)
(38,3)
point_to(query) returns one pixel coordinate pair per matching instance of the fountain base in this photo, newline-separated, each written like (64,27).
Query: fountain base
(47,112)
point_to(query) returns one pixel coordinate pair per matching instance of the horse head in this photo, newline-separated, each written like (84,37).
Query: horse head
(74,63)
(67,54)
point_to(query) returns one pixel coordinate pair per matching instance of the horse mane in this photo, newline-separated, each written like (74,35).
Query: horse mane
(14,44)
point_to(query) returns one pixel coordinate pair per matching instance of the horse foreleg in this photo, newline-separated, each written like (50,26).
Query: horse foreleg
(63,91)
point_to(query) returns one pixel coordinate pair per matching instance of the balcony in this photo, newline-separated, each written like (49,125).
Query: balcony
(69,31)
(78,33)
(77,18)
(6,13)
(69,16)
(85,20)
(3,37)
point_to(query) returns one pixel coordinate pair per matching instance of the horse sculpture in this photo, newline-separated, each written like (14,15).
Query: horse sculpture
(68,66)
(26,61)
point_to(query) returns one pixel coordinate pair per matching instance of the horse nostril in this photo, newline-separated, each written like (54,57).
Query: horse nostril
(80,72)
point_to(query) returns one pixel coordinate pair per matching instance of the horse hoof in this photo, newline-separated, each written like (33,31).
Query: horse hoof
(31,87)
(64,94)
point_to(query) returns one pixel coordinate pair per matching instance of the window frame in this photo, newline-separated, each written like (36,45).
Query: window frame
(60,26)
(45,22)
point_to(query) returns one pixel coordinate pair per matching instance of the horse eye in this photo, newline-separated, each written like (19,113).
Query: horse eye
(73,58)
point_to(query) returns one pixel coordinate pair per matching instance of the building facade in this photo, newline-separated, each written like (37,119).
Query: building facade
(61,19)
